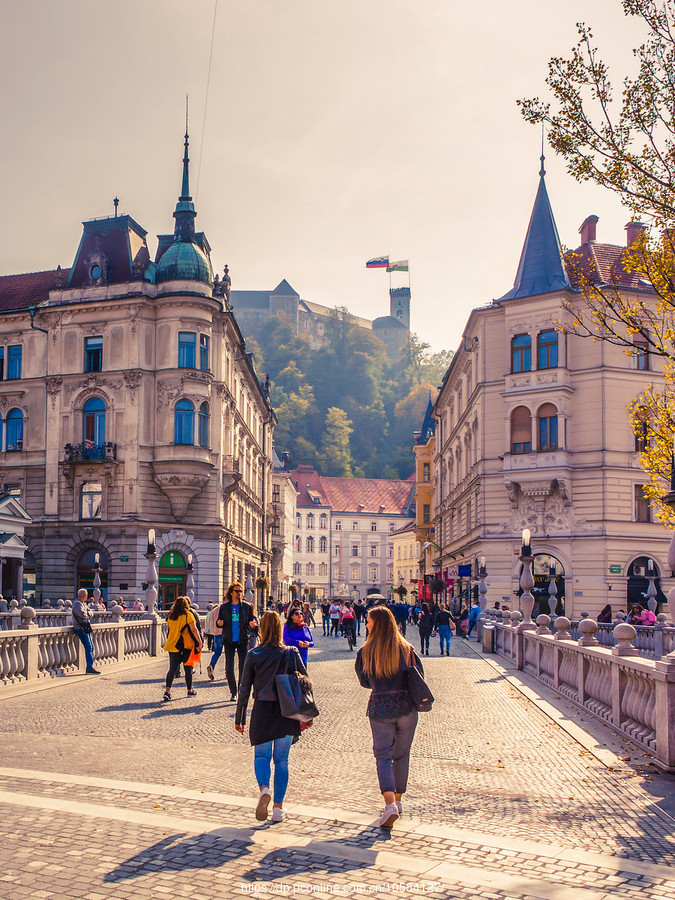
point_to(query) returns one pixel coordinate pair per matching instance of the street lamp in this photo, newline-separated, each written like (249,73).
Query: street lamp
(97,578)
(527,580)
(151,577)
(482,586)
(190,581)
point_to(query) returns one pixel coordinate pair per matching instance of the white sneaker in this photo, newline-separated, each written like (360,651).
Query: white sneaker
(399,807)
(264,801)
(277,814)
(388,815)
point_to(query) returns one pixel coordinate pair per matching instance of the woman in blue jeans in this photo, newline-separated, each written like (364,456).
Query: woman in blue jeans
(381,665)
(444,625)
(270,733)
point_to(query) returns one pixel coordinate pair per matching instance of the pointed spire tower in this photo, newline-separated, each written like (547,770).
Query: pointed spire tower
(541,268)
(185,255)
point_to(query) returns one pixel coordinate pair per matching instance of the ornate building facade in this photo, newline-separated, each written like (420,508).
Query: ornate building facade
(532,431)
(128,403)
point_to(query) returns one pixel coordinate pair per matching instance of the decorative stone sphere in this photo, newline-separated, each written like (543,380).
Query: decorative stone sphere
(516,616)
(117,610)
(543,624)
(624,632)
(27,615)
(588,626)
(584,614)
(13,605)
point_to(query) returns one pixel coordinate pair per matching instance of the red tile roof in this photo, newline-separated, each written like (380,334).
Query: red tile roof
(602,264)
(22,291)
(384,496)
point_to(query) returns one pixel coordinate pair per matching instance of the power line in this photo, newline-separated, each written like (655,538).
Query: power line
(206,100)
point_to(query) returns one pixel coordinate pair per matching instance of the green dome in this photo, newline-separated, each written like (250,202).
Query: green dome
(184,261)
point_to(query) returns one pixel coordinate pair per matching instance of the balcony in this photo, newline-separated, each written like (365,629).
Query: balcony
(88,451)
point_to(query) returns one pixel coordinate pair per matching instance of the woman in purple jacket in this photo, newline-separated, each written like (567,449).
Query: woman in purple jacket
(297,634)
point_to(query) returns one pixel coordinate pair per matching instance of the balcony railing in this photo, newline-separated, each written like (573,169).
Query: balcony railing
(88,451)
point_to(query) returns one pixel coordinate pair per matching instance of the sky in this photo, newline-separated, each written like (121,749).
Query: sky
(322,133)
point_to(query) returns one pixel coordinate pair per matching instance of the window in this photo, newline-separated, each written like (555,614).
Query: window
(521,353)
(203,425)
(469,523)
(91,495)
(547,349)
(93,422)
(548,427)
(310,521)
(355,526)
(355,549)
(399,551)
(426,472)
(309,569)
(297,569)
(521,430)
(298,520)
(184,423)
(310,545)
(14,430)
(639,355)
(337,551)
(276,495)
(643,511)
(13,362)
(426,514)
(93,354)
(323,521)
(373,526)
(323,545)
(323,569)
(373,549)
(204,352)
(391,551)
(298,543)
(392,526)
(641,434)
(372,573)
(338,526)
(354,573)
(187,342)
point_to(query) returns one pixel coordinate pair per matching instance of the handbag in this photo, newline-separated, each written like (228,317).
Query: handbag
(180,643)
(85,626)
(418,689)
(295,693)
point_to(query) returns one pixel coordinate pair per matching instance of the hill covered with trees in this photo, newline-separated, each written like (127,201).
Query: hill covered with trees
(347,408)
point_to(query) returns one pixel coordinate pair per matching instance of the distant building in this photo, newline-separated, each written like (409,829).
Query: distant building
(344,528)
(406,553)
(254,308)
(282,516)
(424,449)
(532,431)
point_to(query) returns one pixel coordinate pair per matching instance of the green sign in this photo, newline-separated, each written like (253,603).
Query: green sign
(177,579)
(615,570)
(124,559)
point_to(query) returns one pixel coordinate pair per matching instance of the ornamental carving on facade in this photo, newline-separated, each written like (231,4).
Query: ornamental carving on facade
(167,391)
(180,489)
(133,312)
(53,384)
(132,379)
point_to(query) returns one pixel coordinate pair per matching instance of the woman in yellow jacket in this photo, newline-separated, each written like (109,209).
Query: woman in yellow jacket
(183,637)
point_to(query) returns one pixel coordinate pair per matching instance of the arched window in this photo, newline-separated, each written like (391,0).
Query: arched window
(310,520)
(14,430)
(548,427)
(310,545)
(547,349)
(521,430)
(323,545)
(184,423)
(323,521)
(93,423)
(203,426)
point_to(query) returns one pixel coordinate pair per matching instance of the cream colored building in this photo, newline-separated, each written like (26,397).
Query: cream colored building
(406,552)
(128,402)
(532,431)
(284,497)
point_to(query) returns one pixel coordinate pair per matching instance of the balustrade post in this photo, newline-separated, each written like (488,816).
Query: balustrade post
(118,621)
(588,629)
(562,629)
(664,713)
(625,634)
(527,581)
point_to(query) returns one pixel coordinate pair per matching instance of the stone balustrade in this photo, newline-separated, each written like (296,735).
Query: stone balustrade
(619,685)
(29,652)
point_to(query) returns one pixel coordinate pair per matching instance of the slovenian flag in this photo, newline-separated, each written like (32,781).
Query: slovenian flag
(380,262)
(400,266)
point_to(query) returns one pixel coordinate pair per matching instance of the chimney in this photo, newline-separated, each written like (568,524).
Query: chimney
(633,231)
(587,230)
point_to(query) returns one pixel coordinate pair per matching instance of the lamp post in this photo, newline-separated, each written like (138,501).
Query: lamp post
(651,590)
(151,577)
(190,580)
(482,586)
(97,578)
(527,580)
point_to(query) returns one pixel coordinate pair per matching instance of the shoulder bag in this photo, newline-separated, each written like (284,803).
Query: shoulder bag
(85,626)
(180,643)
(295,692)
(418,689)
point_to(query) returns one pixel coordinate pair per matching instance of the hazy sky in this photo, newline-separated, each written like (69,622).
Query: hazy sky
(335,131)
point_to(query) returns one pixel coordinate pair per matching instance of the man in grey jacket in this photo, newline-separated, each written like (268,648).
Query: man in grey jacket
(82,628)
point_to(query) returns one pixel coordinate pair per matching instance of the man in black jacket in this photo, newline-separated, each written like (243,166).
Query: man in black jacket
(236,618)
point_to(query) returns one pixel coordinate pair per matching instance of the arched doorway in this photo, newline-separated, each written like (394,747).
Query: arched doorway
(172,574)
(637,584)
(86,571)
(29,578)
(544,566)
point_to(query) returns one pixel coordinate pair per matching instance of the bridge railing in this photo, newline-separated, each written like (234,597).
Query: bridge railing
(633,693)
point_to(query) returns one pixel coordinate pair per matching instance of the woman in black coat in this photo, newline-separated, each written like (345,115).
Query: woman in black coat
(425,625)
(270,733)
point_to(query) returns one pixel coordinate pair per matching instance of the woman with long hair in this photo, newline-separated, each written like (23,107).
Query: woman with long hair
(382,665)
(182,638)
(270,733)
(425,625)
(297,633)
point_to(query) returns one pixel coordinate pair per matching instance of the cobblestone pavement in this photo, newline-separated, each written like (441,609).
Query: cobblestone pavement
(502,802)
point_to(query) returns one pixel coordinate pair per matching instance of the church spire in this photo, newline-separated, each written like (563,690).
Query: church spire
(541,268)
